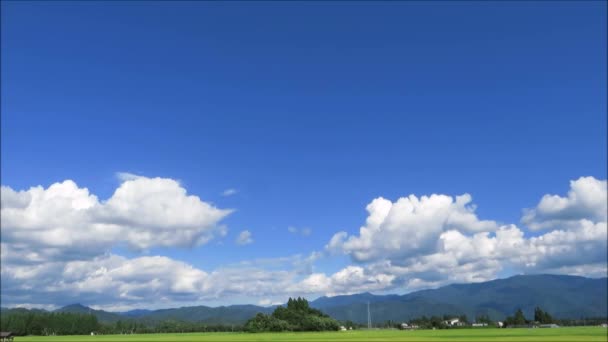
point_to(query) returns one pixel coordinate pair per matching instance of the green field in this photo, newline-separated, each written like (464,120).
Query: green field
(559,334)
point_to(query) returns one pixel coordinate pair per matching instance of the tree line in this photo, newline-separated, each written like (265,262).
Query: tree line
(48,323)
(544,317)
(518,319)
(296,316)
(44,323)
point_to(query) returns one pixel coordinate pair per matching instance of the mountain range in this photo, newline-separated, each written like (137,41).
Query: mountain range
(562,296)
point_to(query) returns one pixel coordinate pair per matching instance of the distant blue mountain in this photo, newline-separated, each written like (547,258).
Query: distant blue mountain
(135,313)
(102,316)
(562,296)
(326,302)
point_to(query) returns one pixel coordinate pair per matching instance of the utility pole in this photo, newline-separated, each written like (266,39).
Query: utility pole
(369,318)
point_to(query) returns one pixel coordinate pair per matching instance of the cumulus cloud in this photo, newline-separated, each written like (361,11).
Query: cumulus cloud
(436,240)
(159,212)
(351,279)
(586,200)
(55,245)
(410,226)
(244,238)
(66,221)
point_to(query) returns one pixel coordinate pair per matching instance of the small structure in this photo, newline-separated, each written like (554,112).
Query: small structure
(604,325)
(454,322)
(6,336)
(475,325)
(405,326)
(342,328)
(500,324)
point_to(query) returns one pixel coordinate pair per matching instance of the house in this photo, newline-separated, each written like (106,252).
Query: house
(454,322)
(342,328)
(406,326)
(6,336)
(479,324)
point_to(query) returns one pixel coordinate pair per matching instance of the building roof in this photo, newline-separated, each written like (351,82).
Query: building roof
(6,334)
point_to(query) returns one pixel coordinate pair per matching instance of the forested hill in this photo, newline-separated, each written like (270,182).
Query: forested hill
(562,296)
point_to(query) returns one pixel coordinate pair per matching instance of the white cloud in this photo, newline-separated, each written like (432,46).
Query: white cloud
(437,240)
(104,279)
(159,212)
(66,221)
(408,227)
(303,231)
(586,199)
(115,281)
(229,192)
(268,302)
(55,245)
(127,176)
(352,279)
(244,238)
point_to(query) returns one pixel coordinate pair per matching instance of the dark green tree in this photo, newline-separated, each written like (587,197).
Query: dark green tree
(519,318)
(297,315)
(542,317)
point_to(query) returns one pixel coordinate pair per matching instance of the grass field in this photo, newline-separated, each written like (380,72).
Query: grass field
(547,335)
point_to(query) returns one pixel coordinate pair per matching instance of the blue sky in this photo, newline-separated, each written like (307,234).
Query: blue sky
(309,110)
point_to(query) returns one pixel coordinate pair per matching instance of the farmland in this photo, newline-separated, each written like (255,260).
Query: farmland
(511,335)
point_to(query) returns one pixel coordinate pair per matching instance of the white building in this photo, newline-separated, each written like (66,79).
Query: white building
(479,324)
(454,322)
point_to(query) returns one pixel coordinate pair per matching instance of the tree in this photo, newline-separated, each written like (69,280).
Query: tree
(297,315)
(542,316)
(519,318)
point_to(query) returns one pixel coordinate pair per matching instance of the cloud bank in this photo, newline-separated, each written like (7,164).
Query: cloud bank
(56,246)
